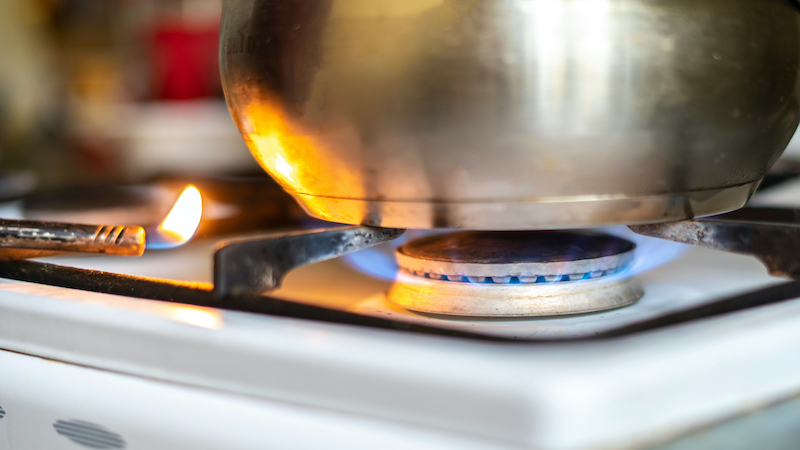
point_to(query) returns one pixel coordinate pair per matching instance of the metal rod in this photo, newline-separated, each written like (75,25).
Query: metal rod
(20,238)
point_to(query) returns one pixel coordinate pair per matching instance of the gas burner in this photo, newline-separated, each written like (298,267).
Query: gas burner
(516,256)
(514,273)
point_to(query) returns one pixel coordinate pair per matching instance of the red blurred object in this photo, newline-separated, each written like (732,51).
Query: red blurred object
(185,61)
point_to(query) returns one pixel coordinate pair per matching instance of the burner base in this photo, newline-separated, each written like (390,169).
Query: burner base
(512,300)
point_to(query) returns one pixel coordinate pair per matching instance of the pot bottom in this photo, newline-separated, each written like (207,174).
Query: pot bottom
(537,213)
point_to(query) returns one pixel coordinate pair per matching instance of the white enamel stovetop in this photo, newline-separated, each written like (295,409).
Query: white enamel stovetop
(85,370)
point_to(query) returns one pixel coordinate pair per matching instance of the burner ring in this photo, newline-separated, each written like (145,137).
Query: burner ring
(514,273)
(512,300)
(516,256)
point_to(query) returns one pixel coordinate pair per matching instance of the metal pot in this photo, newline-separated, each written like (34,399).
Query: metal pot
(513,114)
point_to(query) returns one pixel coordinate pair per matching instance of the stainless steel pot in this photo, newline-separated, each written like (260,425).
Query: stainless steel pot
(513,114)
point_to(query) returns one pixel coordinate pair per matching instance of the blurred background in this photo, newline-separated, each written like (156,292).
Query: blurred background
(99,92)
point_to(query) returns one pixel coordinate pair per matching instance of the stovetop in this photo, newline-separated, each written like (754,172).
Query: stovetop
(635,391)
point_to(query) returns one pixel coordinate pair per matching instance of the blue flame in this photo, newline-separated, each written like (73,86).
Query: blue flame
(379,261)
(157,240)
(650,253)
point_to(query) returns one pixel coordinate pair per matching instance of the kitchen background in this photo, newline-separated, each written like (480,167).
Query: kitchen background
(112,91)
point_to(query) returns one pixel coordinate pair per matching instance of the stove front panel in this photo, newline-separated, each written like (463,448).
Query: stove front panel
(50,405)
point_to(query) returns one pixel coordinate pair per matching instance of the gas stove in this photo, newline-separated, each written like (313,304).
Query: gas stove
(703,355)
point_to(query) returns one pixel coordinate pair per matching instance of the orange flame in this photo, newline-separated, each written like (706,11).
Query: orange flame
(184,218)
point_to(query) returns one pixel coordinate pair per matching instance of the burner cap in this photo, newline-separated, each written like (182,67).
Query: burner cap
(514,273)
(527,256)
